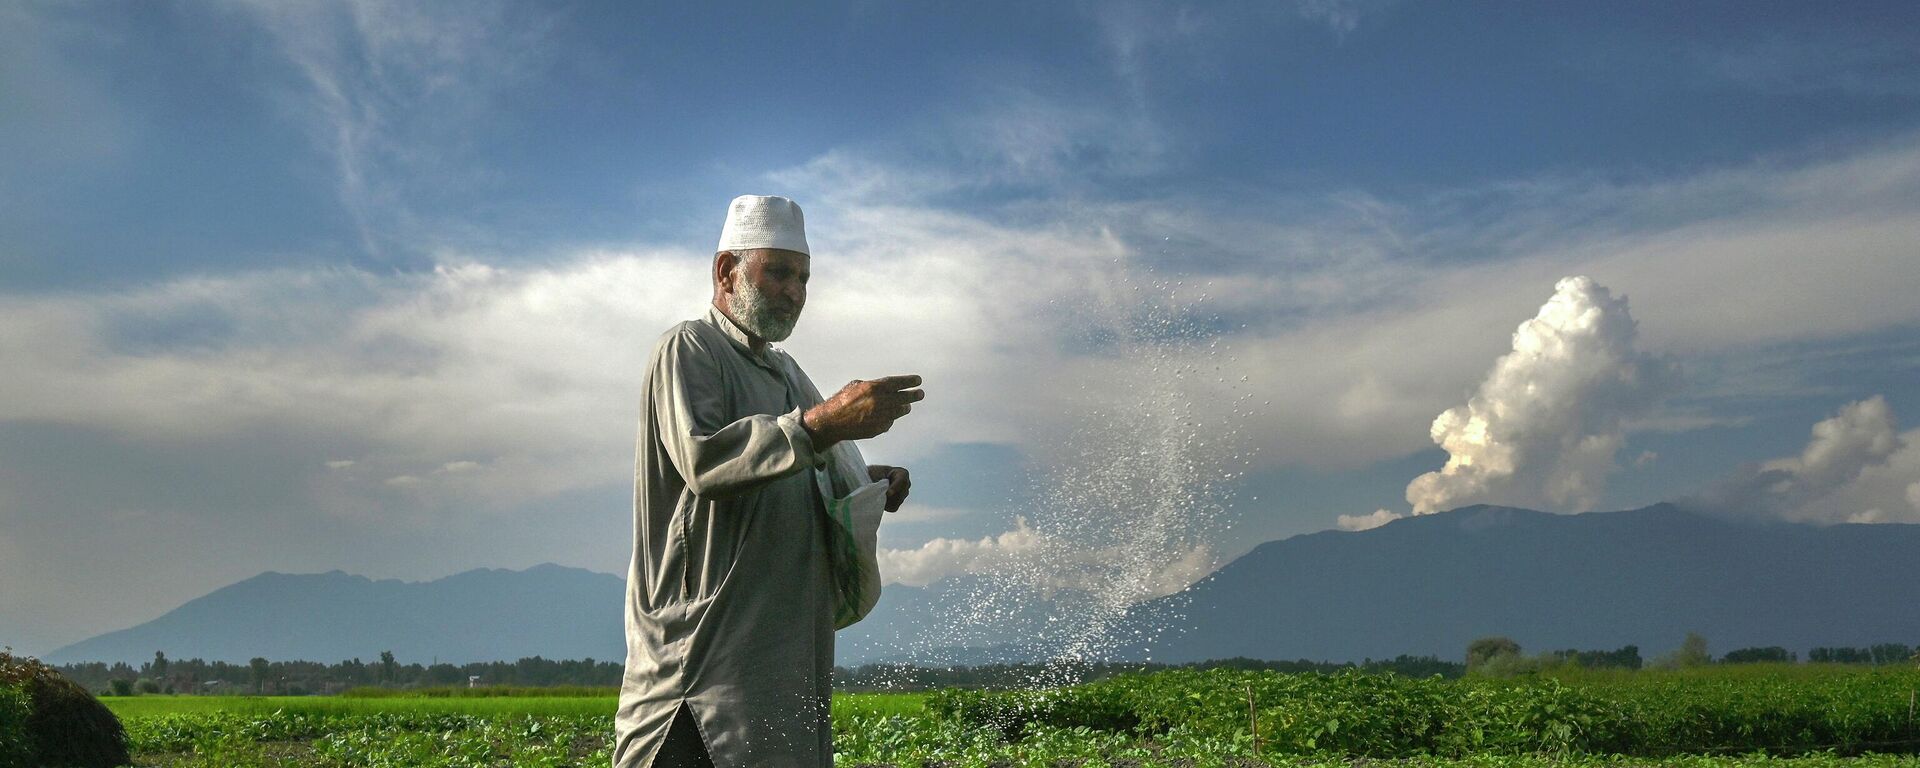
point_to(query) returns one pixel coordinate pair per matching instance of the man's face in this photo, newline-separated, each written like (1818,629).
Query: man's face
(769,290)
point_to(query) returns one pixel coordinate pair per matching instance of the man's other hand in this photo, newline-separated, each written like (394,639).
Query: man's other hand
(898,482)
(861,409)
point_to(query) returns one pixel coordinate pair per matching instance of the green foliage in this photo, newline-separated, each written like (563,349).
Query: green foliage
(1691,653)
(121,686)
(1387,716)
(221,677)
(1487,649)
(1771,654)
(1720,716)
(65,725)
(15,708)
(1625,657)
(482,692)
(1884,653)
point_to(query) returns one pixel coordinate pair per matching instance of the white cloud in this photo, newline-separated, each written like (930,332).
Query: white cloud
(533,370)
(915,512)
(1545,424)
(1379,518)
(943,558)
(1860,436)
(1033,561)
(1348,345)
(1371,335)
(1856,467)
(520,368)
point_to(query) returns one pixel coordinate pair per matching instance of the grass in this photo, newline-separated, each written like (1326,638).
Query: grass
(845,704)
(483,692)
(152,706)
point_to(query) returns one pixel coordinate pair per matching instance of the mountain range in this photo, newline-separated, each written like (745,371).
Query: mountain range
(1424,585)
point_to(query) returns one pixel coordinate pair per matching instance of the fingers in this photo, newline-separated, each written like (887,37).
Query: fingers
(896,383)
(874,404)
(899,484)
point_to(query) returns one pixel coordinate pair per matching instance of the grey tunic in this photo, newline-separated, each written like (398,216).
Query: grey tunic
(729,598)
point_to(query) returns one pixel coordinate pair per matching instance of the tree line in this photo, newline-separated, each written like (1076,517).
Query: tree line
(1487,655)
(299,678)
(1499,656)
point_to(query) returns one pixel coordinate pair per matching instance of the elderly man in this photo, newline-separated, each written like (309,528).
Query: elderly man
(732,594)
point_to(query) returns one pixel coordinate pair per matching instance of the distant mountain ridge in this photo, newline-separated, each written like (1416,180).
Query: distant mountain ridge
(1431,584)
(479,615)
(1420,585)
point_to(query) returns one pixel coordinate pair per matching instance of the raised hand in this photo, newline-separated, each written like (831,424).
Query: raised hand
(861,409)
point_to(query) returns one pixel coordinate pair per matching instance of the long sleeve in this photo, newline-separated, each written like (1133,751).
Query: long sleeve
(716,456)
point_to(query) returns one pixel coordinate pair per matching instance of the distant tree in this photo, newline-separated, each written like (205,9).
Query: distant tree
(1692,652)
(147,685)
(120,686)
(1769,654)
(1486,649)
(1890,653)
(259,667)
(387,666)
(1626,657)
(1838,655)
(158,668)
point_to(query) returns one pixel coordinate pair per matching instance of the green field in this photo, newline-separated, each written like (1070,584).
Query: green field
(542,706)
(1718,716)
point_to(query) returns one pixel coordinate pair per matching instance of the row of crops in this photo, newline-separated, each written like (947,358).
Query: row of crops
(1387,716)
(1859,718)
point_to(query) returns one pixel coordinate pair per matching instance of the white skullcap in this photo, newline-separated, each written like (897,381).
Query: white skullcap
(763,221)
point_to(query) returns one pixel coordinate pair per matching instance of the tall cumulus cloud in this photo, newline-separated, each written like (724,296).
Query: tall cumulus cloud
(1543,428)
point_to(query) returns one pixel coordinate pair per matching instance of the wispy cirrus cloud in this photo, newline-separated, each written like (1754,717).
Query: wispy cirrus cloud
(396,95)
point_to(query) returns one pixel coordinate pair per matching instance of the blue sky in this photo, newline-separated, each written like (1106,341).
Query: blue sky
(300,286)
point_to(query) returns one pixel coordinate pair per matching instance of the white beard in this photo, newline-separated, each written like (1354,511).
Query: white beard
(751,310)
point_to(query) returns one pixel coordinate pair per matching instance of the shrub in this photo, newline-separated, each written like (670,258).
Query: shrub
(65,726)
(1771,654)
(15,707)
(1486,649)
